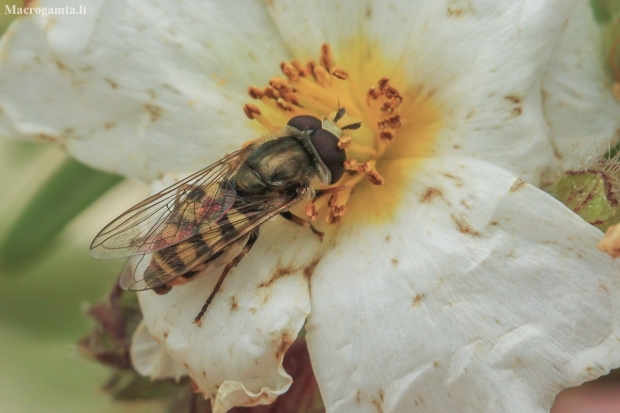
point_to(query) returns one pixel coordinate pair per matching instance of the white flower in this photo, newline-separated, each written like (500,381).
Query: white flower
(455,286)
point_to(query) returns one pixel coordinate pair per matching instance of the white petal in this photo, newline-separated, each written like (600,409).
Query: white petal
(583,115)
(482,294)
(482,62)
(150,358)
(235,358)
(138,87)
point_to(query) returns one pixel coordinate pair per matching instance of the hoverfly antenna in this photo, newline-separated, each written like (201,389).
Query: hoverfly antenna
(352,126)
(341,112)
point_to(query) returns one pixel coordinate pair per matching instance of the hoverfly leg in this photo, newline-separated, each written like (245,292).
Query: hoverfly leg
(300,221)
(248,246)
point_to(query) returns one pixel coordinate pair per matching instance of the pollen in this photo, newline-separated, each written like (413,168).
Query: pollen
(382,116)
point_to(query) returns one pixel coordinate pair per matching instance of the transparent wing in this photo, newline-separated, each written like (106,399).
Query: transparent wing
(147,271)
(173,215)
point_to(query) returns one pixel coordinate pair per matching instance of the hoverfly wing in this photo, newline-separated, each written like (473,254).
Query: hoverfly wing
(173,215)
(218,240)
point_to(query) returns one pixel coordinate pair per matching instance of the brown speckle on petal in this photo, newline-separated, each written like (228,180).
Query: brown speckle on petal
(279,273)
(463,226)
(234,305)
(112,83)
(154,111)
(378,401)
(418,299)
(430,194)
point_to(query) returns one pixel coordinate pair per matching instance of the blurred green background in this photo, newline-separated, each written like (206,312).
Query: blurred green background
(47,277)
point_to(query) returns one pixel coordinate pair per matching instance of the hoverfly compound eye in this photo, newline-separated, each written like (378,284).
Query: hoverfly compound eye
(326,145)
(305,122)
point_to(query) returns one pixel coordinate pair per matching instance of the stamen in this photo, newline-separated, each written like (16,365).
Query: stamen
(340,73)
(350,165)
(326,56)
(344,142)
(375,178)
(300,68)
(251,110)
(312,211)
(322,76)
(386,136)
(290,71)
(255,93)
(372,120)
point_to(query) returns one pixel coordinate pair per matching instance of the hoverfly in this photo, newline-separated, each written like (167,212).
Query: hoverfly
(211,218)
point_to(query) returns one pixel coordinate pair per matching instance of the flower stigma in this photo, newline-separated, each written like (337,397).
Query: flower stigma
(396,121)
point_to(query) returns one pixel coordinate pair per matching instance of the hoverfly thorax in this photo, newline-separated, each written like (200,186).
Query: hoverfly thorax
(281,165)
(306,150)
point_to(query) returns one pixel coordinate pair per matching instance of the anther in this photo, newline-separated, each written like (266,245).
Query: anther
(322,76)
(332,219)
(289,71)
(382,83)
(373,93)
(349,164)
(386,136)
(280,85)
(340,73)
(374,177)
(333,200)
(339,211)
(251,110)
(271,93)
(326,56)
(387,108)
(396,122)
(384,124)
(300,68)
(283,104)
(312,212)
(391,92)
(255,93)
(344,142)
(365,168)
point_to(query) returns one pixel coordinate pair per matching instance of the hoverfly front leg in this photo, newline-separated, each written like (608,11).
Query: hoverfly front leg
(300,221)
(248,246)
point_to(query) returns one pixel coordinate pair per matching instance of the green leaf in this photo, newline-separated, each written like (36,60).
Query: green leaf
(70,190)
(590,193)
(602,10)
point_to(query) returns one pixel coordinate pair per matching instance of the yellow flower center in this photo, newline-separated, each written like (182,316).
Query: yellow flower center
(397,120)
